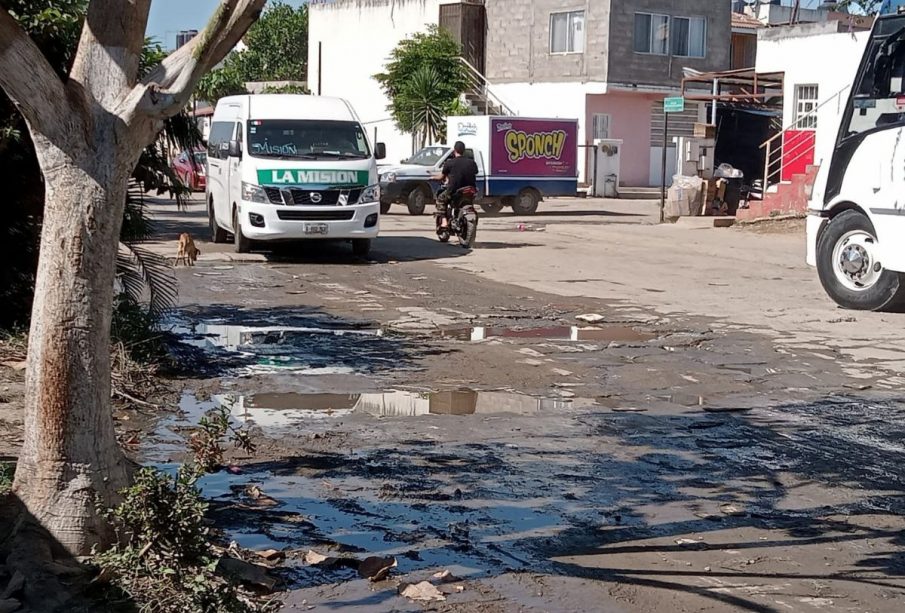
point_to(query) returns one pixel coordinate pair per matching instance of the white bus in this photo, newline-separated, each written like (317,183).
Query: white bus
(290,167)
(856,216)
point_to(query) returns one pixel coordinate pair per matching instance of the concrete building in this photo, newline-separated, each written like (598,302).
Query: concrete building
(609,63)
(349,41)
(819,61)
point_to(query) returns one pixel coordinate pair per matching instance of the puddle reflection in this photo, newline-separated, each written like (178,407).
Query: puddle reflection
(281,410)
(553,333)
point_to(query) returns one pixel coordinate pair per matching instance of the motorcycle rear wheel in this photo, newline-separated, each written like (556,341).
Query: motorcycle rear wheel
(468,230)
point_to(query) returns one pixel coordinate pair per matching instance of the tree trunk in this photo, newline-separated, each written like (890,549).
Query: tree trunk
(70,461)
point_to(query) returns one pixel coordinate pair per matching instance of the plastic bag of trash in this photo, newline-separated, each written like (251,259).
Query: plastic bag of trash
(684,197)
(727,171)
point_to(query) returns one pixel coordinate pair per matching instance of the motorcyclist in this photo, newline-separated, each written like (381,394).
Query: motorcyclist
(459,172)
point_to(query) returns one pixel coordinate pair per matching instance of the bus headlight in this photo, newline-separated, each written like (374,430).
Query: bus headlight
(254,193)
(370,194)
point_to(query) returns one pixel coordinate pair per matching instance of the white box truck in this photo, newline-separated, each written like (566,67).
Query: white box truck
(521,161)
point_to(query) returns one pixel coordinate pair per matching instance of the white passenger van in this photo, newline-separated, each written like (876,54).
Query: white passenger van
(291,167)
(856,216)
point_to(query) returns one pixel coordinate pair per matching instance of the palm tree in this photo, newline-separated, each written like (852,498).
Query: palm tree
(422,101)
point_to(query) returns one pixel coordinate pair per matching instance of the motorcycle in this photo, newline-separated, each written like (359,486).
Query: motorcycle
(461,218)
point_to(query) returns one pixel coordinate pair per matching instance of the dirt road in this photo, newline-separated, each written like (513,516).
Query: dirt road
(717,438)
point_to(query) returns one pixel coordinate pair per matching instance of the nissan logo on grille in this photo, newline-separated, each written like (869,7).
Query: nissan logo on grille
(315,197)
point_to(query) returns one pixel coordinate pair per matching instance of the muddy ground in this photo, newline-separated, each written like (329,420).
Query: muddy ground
(642,461)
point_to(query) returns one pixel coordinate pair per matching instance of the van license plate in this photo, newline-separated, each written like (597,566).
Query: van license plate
(315,228)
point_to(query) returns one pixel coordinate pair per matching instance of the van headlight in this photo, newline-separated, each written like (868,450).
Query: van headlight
(254,193)
(370,194)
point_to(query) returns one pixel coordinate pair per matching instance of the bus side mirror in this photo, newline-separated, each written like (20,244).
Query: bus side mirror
(380,151)
(235,150)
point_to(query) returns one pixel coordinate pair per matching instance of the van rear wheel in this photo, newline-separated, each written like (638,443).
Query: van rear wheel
(849,267)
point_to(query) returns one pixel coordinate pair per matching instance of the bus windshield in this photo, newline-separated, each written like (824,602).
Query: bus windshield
(307,139)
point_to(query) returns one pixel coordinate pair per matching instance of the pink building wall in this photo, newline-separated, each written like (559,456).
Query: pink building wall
(630,121)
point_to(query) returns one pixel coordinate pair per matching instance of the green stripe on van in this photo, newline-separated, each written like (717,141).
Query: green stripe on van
(312,177)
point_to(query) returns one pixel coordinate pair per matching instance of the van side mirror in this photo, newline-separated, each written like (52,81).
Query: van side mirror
(235,150)
(380,151)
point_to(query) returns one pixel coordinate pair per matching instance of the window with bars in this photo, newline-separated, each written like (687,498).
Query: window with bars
(601,126)
(806,101)
(567,32)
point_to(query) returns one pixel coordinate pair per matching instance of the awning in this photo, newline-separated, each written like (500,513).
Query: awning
(745,85)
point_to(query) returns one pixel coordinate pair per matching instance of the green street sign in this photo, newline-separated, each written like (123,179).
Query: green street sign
(673,105)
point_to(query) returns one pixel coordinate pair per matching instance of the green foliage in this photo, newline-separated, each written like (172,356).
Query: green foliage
(165,562)
(54,25)
(7,471)
(288,88)
(277,50)
(136,329)
(206,442)
(420,98)
(407,73)
(221,82)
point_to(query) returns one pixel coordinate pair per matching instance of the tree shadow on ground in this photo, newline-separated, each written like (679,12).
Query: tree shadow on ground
(52,580)
(803,475)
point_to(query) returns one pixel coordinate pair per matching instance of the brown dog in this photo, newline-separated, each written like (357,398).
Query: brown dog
(187,252)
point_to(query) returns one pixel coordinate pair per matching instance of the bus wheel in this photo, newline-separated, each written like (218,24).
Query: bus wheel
(849,267)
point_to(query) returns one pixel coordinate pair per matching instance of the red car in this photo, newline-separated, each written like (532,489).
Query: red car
(192,175)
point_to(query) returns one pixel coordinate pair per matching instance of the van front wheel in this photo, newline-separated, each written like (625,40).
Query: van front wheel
(242,244)
(850,269)
(218,234)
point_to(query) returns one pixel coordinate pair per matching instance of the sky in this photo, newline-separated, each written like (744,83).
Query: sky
(170,16)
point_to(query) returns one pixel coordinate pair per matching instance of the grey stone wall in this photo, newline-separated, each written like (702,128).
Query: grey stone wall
(518,42)
(628,67)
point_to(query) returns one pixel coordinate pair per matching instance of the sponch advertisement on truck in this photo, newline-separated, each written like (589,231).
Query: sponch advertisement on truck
(520,160)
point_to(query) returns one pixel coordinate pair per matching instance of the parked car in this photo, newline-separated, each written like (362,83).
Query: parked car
(193,174)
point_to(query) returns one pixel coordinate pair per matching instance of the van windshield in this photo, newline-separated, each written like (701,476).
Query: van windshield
(307,139)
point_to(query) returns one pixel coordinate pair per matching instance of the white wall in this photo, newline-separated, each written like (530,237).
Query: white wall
(827,60)
(358,37)
(559,100)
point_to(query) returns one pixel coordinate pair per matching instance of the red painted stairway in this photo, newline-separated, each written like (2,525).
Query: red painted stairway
(789,198)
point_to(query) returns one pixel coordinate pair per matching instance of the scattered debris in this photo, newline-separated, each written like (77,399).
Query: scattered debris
(591,318)
(271,555)
(422,592)
(246,572)
(691,543)
(376,568)
(445,576)
(731,510)
(314,558)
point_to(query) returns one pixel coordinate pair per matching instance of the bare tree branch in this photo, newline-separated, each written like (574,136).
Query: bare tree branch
(168,88)
(112,37)
(28,78)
